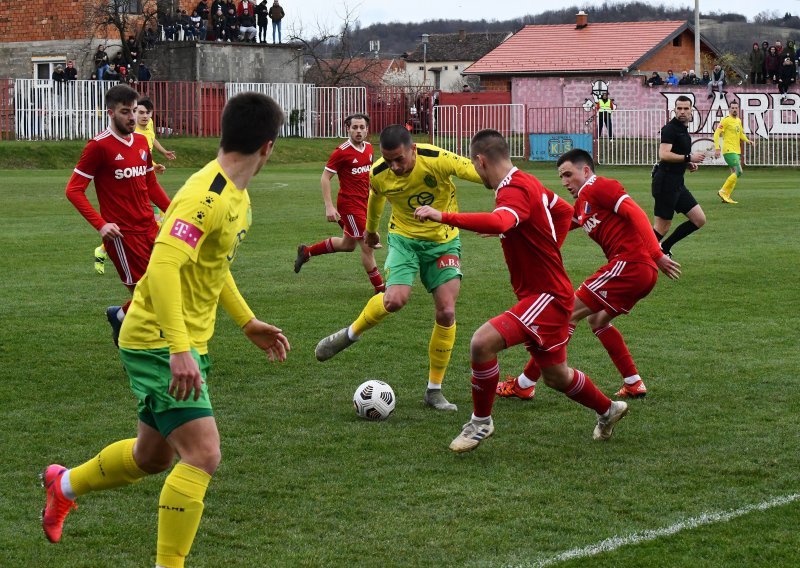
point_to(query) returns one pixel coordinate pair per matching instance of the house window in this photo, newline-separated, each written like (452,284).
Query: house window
(43,67)
(455,67)
(420,67)
(127,6)
(676,42)
(445,67)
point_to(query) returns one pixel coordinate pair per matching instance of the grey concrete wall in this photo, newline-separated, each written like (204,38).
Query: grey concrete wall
(15,57)
(172,61)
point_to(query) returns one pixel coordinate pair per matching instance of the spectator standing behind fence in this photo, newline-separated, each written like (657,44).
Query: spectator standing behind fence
(756,58)
(58,76)
(787,76)
(70,73)
(101,61)
(791,50)
(705,79)
(276,13)
(605,107)
(671,79)
(655,80)
(262,12)
(772,64)
(717,80)
(111,74)
(684,80)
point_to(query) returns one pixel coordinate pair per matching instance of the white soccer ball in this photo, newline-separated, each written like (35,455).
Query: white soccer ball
(374,400)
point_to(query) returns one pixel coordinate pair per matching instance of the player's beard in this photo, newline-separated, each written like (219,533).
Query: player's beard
(125,126)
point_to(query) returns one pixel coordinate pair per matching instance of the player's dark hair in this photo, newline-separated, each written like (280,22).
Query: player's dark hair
(120,94)
(577,156)
(734,102)
(395,136)
(356,116)
(682,99)
(249,120)
(146,103)
(489,143)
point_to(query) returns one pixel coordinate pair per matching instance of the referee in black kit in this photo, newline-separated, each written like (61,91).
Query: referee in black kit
(669,191)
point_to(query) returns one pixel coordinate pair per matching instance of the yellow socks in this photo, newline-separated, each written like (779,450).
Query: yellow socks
(439,350)
(179,510)
(112,467)
(730,184)
(372,314)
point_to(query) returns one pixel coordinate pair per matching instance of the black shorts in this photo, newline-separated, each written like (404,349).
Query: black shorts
(671,195)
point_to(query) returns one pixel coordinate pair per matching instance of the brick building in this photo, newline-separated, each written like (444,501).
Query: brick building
(37,35)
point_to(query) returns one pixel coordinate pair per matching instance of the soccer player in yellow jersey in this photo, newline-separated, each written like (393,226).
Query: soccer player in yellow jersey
(732,132)
(164,339)
(410,175)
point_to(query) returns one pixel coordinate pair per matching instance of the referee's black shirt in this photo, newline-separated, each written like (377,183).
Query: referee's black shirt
(677,134)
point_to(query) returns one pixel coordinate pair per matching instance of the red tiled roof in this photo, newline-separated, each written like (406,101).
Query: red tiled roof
(602,46)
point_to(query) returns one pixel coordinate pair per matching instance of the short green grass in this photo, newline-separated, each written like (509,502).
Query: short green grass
(304,482)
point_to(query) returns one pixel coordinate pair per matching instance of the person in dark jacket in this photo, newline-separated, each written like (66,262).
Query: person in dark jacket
(276,13)
(772,64)
(655,80)
(262,12)
(70,72)
(787,76)
(756,58)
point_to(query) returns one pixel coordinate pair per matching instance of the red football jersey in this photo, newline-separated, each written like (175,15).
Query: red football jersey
(614,221)
(122,170)
(352,166)
(531,248)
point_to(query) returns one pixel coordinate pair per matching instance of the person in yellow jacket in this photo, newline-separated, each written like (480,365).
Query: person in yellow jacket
(732,132)
(605,107)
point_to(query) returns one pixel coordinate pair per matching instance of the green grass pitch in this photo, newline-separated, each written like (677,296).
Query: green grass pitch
(304,482)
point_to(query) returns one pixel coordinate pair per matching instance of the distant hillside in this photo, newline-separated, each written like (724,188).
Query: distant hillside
(727,31)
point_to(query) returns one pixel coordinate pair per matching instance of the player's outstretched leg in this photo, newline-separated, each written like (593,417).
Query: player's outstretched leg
(485,376)
(333,344)
(606,422)
(57,506)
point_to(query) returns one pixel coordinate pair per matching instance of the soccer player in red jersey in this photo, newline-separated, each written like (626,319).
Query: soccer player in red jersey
(540,319)
(119,161)
(614,221)
(351,161)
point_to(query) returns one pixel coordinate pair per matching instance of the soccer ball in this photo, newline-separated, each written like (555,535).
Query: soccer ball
(374,400)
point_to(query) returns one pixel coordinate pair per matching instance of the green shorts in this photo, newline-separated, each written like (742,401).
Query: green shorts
(734,161)
(436,263)
(149,374)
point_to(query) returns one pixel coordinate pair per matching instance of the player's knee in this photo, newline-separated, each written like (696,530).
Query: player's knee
(699,220)
(155,464)
(394,303)
(556,378)
(446,316)
(347,245)
(480,348)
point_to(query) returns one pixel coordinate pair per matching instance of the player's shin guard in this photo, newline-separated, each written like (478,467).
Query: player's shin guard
(440,348)
(485,377)
(179,511)
(113,467)
(612,340)
(372,314)
(583,391)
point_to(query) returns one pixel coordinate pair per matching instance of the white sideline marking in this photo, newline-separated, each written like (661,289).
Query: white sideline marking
(704,519)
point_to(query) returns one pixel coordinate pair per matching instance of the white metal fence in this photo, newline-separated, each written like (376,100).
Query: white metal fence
(453,126)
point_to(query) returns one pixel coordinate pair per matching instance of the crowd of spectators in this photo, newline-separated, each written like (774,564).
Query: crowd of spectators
(768,65)
(224,21)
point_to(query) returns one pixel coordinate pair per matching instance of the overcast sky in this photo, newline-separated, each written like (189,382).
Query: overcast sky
(313,15)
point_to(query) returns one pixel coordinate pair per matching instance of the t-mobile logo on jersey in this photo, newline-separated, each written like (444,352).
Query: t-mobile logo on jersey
(186,232)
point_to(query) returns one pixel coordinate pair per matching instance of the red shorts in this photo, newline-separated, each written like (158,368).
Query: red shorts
(130,255)
(541,322)
(617,286)
(353,224)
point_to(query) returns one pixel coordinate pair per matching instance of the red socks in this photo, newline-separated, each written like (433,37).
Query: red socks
(583,391)
(612,340)
(376,280)
(322,247)
(485,377)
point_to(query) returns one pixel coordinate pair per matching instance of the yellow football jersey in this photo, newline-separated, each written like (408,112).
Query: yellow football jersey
(732,133)
(428,183)
(148,132)
(207,220)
